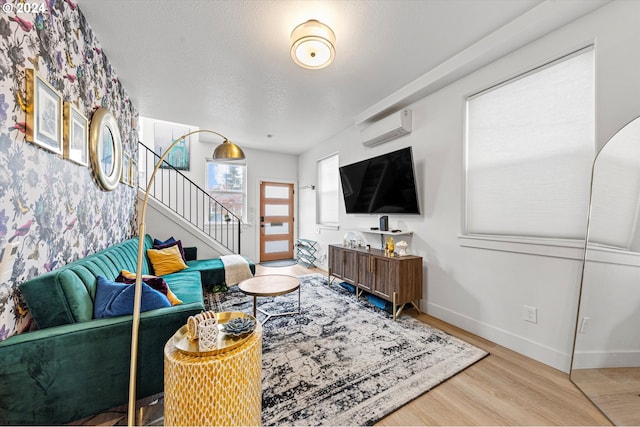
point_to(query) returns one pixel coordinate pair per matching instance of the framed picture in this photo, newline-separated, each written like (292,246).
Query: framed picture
(134,173)
(165,134)
(76,135)
(125,178)
(44,113)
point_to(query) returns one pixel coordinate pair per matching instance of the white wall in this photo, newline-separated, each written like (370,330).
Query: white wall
(483,291)
(261,166)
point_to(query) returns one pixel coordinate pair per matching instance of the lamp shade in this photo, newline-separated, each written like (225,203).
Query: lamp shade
(228,151)
(313,45)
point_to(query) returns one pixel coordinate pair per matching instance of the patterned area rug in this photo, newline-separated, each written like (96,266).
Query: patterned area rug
(342,361)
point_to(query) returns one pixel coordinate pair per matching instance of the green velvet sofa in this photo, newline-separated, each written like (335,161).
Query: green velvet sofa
(74,366)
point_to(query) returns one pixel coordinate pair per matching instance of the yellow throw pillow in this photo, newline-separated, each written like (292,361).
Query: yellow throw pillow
(173,299)
(166,261)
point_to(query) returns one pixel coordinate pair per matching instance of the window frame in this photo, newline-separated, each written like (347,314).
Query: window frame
(319,194)
(243,216)
(545,246)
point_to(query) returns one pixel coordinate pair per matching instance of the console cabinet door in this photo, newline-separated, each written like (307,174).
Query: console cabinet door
(350,266)
(336,262)
(365,275)
(384,277)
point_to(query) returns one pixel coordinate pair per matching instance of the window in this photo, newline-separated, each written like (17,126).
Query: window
(530,145)
(327,193)
(226,182)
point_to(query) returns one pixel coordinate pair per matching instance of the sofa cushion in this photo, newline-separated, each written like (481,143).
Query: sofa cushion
(165,245)
(157,283)
(186,284)
(166,261)
(116,299)
(79,299)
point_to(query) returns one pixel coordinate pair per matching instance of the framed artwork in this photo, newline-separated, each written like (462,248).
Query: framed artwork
(76,135)
(105,149)
(125,177)
(44,113)
(134,173)
(165,134)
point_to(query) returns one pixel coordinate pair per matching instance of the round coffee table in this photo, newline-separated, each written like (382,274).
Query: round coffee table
(270,285)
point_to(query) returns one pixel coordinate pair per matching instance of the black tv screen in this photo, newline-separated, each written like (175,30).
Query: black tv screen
(384,184)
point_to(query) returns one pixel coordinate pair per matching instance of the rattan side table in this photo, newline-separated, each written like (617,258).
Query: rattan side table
(220,390)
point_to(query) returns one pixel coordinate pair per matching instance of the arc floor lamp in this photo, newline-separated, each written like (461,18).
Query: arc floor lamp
(225,151)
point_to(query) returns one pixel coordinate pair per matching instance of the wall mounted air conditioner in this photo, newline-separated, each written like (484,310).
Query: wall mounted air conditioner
(386,129)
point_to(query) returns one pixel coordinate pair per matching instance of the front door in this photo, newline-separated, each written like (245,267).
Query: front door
(276,221)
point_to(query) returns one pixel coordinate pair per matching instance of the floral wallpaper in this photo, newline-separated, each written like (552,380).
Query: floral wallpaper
(52,209)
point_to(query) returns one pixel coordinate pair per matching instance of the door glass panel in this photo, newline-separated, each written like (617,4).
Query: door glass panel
(279,192)
(276,246)
(276,228)
(276,210)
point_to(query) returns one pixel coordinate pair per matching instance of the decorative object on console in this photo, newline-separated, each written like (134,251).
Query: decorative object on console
(313,45)
(225,151)
(44,113)
(105,149)
(76,135)
(391,245)
(402,248)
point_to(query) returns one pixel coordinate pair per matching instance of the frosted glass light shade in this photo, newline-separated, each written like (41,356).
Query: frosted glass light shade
(313,45)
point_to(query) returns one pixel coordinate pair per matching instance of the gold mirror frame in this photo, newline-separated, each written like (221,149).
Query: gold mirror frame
(104,123)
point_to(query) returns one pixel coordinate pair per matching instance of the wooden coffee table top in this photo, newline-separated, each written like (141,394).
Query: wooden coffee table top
(269,285)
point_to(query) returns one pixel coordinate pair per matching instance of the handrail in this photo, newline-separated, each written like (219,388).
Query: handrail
(187,199)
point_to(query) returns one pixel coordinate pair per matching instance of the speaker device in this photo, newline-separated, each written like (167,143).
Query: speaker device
(384,223)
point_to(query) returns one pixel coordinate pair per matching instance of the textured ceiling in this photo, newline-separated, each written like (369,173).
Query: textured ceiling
(226,66)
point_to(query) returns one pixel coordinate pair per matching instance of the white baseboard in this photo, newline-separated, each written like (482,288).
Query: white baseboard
(532,349)
(610,359)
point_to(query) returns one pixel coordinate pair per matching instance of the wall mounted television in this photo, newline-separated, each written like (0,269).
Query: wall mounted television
(382,185)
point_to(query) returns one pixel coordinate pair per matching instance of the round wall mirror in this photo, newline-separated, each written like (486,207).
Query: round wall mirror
(105,149)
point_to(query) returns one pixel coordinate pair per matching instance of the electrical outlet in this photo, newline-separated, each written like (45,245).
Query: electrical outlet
(583,325)
(530,314)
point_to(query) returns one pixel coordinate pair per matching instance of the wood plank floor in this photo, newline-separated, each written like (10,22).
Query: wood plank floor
(504,388)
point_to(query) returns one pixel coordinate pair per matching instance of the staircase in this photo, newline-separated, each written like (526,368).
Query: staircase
(172,189)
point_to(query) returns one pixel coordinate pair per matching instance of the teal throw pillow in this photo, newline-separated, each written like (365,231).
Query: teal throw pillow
(116,299)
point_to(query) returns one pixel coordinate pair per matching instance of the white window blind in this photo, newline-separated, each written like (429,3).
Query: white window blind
(530,145)
(327,191)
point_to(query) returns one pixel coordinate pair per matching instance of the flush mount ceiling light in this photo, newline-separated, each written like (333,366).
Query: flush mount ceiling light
(312,45)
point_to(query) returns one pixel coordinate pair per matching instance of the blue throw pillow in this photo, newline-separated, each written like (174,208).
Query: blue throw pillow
(116,299)
(157,242)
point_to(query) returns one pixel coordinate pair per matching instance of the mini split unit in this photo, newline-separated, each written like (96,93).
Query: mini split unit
(391,127)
